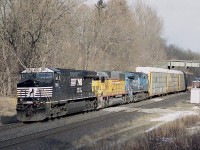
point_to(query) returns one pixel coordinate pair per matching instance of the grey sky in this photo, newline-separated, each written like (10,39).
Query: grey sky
(181,21)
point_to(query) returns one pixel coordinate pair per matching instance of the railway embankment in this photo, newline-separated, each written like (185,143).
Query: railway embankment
(164,126)
(7,110)
(136,124)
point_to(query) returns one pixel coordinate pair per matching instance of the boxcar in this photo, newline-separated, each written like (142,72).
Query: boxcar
(163,81)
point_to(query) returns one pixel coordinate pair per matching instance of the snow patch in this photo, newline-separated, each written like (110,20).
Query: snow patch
(175,115)
(171,117)
(132,109)
(157,99)
(156,110)
(115,109)
(193,130)
(195,107)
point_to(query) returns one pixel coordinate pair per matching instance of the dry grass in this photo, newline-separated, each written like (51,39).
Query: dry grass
(102,134)
(7,110)
(172,135)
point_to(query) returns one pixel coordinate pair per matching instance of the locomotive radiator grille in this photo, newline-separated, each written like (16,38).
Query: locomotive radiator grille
(34,92)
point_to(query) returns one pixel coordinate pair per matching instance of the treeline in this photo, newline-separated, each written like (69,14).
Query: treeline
(174,52)
(73,34)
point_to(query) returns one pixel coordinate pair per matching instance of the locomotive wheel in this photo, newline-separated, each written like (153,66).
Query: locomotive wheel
(106,102)
(95,104)
(147,96)
(54,115)
(135,98)
(91,105)
(124,98)
(61,113)
(87,105)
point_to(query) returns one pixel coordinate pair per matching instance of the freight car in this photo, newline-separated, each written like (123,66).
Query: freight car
(51,92)
(164,81)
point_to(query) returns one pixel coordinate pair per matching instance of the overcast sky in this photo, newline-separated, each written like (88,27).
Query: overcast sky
(181,21)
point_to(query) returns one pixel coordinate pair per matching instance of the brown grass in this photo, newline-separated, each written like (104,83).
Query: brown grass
(170,136)
(103,133)
(7,110)
(173,135)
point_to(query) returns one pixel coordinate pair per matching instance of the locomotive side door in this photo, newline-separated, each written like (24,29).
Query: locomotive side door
(57,86)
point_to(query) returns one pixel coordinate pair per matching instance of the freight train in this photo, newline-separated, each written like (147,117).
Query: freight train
(44,93)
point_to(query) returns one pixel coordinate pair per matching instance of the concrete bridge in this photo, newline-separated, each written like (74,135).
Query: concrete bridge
(183,63)
(177,64)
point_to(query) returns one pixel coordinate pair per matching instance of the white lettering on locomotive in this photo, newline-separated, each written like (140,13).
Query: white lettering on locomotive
(79,90)
(73,82)
(77,82)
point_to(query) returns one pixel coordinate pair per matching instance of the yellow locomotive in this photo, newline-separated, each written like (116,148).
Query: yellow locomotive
(109,85)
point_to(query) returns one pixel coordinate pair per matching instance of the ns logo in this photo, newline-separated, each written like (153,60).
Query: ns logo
(31,92)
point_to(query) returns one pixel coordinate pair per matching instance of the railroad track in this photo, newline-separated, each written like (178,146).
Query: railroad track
(37,135)
(12,125)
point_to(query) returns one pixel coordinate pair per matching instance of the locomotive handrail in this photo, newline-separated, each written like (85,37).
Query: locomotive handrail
(47,97)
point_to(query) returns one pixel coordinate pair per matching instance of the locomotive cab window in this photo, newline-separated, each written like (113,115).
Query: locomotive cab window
(44,75)
(41,75)
(132,77)
(102,79)
(57,76)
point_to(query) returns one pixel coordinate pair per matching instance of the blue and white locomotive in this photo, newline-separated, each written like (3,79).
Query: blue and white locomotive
(136,86)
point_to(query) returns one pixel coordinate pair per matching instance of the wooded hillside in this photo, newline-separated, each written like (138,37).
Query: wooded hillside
(73,34)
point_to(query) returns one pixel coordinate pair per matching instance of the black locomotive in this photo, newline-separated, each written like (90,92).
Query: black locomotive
(52,92)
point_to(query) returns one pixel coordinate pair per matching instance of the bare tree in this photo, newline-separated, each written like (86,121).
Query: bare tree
(70,34)
(29,31)
(149,33)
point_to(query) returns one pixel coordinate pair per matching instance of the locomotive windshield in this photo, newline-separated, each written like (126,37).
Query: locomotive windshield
(41,75)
